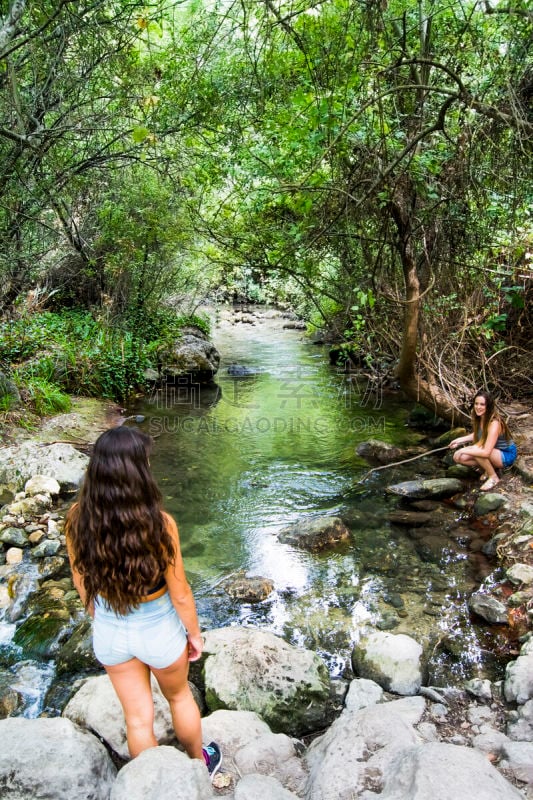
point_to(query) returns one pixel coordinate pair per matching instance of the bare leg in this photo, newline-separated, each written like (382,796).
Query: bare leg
(185,712)
(487,465)
(131,681)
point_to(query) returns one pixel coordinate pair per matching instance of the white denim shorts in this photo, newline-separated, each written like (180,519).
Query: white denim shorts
(152,632)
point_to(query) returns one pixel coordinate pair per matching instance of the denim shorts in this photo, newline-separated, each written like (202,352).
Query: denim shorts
(509,455)
(152,632)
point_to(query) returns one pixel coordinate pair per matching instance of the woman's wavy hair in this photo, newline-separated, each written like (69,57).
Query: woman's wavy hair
(116,530)
(491,412)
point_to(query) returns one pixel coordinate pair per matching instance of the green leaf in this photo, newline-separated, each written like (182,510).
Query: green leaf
(139,134)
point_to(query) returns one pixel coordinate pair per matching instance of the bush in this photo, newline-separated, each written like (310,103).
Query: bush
(51,353)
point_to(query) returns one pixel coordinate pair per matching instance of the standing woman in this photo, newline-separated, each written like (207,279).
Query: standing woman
(126,562)
(492,447)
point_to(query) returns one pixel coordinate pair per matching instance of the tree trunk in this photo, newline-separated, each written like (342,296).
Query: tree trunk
(424,391)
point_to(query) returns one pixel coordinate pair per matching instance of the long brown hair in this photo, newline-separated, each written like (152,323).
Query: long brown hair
(116,531)
(491,413)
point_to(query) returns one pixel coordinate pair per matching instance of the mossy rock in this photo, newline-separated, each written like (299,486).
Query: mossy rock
(77,655)
(39,634)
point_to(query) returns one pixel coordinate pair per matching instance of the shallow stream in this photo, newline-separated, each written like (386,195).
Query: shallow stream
(275,444)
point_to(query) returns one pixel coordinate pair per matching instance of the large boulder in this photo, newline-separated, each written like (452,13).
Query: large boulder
(442,772)
(96,707)
(249,747)
(338,761)
(392,661)
(163,773)
(316,534)
(193,356)
(21,462)
(52,758)
(252,670)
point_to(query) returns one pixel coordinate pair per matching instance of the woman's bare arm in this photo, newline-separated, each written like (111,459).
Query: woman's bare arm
(490,442)
(181,594)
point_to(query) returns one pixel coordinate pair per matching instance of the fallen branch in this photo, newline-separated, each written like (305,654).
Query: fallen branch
(403,461)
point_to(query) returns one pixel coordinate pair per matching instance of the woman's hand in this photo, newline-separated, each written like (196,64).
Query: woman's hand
(196,646)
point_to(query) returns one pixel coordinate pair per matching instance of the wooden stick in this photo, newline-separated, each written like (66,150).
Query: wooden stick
(403,461)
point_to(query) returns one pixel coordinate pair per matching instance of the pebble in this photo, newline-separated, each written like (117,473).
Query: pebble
(14,555)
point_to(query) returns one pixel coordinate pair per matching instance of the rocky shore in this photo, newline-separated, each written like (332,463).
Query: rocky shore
(286,729)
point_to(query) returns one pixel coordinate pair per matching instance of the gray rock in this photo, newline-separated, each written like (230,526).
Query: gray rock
(478,687)
(60,461)
(241,371)
(52,566)
(163,773)
(30,506)
(491,742)
(42,484)
(14,537)
(518,686)
(428,732)
(52,758)
(481,715)
(249,590)
(193,355)
(316,534)
(48,547)
(442,772)
(252,670)
(363,693)
(414,519)
(519,758)
(273,754)
(376,452)
(421,489)
(488,502)
(233,730)
(521,728)
(487,607)
(262,787)
(524,467)
(392,661)
(520,574)
(337,760)
(96,707)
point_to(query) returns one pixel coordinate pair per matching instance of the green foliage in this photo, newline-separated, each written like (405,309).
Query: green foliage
(44,397)
(75,352)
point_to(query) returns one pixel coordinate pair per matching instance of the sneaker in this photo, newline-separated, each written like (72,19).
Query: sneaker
(213,758)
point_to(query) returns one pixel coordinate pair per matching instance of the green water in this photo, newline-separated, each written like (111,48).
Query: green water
(239,461)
